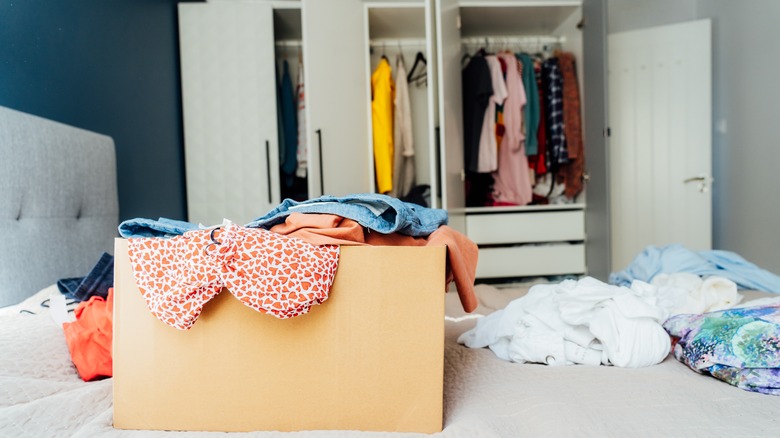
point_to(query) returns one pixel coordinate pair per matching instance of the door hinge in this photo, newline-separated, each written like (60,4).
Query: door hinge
(607,132)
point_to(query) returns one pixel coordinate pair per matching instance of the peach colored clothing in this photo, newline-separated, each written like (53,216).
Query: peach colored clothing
(329,229)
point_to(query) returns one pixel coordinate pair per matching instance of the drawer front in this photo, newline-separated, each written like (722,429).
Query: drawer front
(531,260)
(524,227)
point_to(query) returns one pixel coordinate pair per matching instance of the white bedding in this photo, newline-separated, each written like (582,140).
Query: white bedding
(41,394)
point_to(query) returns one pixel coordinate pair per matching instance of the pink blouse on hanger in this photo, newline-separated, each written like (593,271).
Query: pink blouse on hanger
(512,180)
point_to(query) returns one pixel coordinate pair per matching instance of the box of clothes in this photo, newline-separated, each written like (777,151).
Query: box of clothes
(312,322)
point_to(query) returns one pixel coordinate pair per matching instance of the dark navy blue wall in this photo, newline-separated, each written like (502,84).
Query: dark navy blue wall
(110,67)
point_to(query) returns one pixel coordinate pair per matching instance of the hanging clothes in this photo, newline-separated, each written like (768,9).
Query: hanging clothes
(290,127)
(540,162)
(302,151)
(572,122)
(531,109)
(382,90)
(556,138)
(403,145)
(500,126)
(488,148)
(477,88)
(512,184)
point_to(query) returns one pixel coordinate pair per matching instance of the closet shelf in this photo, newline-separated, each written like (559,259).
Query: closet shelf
(524,208)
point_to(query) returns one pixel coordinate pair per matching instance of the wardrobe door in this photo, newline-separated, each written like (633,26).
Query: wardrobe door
(450,110)
(597,213)
(337,124)
(229,99)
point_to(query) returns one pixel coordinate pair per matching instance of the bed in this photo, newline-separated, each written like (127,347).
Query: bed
(42,395)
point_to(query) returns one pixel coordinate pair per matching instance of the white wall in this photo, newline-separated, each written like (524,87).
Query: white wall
(746,92)
(746,136)
(626,15)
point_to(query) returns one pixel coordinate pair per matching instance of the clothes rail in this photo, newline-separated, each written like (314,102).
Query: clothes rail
(289,43)
(498,40)
(396,43)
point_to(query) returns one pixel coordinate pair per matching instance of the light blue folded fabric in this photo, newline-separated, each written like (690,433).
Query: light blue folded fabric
(162,227)
(380,213)
(676,258)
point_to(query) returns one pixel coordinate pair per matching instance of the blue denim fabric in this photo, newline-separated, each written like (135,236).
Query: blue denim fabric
(162,227)
(380,213)
(655,260)
(97,282)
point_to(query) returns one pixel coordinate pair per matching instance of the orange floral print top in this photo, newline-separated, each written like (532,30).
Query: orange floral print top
(275,274)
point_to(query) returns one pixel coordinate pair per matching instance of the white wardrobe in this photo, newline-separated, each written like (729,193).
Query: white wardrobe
(523,241)
(229,51)
(341,43)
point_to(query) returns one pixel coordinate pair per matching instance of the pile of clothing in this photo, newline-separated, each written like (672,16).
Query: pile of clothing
(651,310)
(281,264)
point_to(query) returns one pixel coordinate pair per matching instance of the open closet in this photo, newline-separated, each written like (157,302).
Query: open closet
(543,237)
(237,133)
(241,119)
(240,110)
(402,107)
(291,104)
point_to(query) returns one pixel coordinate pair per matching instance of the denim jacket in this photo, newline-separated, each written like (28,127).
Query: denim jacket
(380,213)
(162,227)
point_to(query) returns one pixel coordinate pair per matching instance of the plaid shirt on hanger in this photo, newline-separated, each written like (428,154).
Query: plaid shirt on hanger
(553,86)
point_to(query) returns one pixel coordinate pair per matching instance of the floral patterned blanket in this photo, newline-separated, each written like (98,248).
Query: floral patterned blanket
(738,346)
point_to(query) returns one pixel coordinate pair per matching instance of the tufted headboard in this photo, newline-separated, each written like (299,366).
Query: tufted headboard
(58,202)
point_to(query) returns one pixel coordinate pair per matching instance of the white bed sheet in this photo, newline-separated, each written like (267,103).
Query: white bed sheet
(41,394)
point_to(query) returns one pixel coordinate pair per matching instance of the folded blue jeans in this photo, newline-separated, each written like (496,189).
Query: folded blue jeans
(380,213)
(162,227)
(97,282)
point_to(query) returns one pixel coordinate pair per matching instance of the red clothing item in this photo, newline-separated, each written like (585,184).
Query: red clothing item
(89,337)
(573,171)
(324,229)
(538,162)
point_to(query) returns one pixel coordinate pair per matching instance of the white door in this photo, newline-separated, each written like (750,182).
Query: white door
(448,54)
(334,62)
(229,100)
(594,47)
(660,149)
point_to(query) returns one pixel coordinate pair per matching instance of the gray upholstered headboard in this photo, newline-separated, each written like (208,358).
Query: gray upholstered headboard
(58,202)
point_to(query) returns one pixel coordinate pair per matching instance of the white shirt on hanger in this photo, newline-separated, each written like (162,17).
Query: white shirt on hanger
(488,147)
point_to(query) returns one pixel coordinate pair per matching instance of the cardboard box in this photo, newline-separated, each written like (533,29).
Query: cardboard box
(369,358)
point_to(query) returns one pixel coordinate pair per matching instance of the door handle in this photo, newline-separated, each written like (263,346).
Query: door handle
(703,182)
(268,169)
(319,143)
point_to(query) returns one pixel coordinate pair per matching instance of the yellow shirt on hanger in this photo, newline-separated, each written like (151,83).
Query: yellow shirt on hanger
(382,96)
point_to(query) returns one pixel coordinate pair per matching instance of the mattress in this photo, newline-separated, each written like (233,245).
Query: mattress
(41,394)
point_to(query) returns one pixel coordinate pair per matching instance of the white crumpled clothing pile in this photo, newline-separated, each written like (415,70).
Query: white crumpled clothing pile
(593,323)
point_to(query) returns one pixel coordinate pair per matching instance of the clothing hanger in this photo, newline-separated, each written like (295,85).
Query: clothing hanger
(463,60)
(399,59)
(422,76)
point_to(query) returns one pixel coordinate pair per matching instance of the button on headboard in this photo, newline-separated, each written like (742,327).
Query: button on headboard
(58,202)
